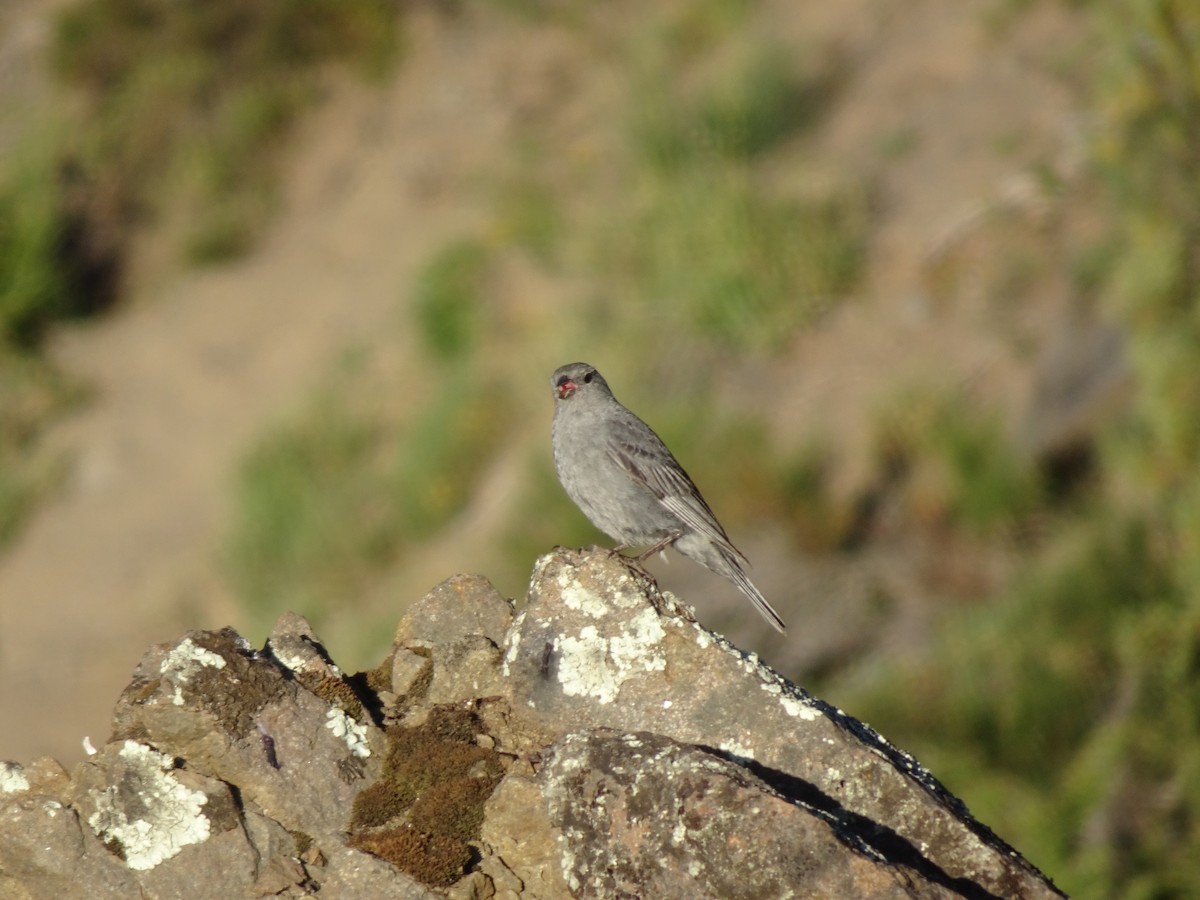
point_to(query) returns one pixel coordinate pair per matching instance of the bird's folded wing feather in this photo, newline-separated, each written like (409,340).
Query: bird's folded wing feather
(651,466)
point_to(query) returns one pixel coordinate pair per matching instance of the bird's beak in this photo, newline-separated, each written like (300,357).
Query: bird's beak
(566,388)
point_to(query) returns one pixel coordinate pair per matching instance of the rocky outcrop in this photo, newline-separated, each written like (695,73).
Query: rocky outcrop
(599,743)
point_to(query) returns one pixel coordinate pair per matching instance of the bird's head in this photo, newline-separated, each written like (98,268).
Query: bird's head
(577,378)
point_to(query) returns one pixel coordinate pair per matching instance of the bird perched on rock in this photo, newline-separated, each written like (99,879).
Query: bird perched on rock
(626,481)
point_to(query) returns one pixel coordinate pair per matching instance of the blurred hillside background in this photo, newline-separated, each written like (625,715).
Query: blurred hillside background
(912,289)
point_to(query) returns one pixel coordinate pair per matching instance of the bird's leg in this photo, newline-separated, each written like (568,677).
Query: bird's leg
(661,545)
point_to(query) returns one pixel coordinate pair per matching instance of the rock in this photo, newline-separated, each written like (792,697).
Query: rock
(592,634)
(728,835)
(461,606)
(522,839)
(45,852)
(459,627)
(248,719)
(600,743)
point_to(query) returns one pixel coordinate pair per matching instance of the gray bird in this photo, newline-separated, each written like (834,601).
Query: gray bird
(625,480)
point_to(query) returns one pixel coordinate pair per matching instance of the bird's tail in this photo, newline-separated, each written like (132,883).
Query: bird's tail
(746,586)
(724,560)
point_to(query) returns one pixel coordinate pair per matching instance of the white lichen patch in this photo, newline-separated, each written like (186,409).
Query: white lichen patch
(184,661)
(293,662)
(12,778)
(592,665)
(639,647)
(242,644)
(344,727)
(576,596)
(678,834)
(168,813)
(799,709)
(622,594)
(299,662)
(737,749)
(794,704)
(583,669)
(514,643)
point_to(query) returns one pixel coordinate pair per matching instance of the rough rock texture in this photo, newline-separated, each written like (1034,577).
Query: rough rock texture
(598,744)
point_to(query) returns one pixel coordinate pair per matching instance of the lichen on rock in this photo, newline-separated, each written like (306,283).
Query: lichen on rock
(600,743)
(148,815)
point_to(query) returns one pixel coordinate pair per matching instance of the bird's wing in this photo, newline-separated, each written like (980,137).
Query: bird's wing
(647,460)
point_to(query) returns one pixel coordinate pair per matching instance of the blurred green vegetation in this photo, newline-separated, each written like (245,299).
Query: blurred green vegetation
(37,287)
(34,288)
(448,300)
(732,263)
(31,393)
(705,234)
(527,212)
(181,112)
(738,112)
(706,245)
(185,105)
(956,465)
(335,495)
(1065,710)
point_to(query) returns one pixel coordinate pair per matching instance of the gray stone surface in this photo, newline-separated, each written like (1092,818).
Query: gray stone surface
(599,743)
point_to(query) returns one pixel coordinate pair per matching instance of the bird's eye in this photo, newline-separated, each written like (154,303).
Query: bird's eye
(587,379)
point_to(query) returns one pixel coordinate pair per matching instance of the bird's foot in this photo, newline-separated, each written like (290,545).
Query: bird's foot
(658,548)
